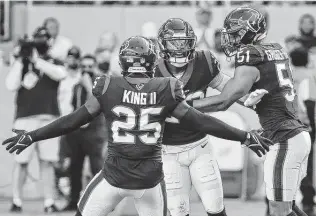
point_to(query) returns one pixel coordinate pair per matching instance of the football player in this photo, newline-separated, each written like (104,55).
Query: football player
(188,156)
(135,106)
(265,66)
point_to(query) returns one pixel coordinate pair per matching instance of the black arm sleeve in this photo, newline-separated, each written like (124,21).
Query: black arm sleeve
(213,126)
(63,125)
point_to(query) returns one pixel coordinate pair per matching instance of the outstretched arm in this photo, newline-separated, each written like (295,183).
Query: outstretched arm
(219,79)
(213,126)
(68,123)
(61,126)
(208,124)
(235,88)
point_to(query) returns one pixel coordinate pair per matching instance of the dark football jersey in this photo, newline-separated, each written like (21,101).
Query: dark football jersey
(135,117)
(200,72)
(277,109)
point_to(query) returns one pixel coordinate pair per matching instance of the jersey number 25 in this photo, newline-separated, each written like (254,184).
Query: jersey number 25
(120,128)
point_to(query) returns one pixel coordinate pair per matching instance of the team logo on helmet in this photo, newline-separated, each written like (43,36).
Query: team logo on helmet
(243,25)
(137,56)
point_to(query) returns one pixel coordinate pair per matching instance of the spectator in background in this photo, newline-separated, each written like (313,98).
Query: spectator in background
(90,139)
(306,28)
(150,31)
(292,43)
(308,41)
(106,54)
(204,32)
(65,93)
(307,37)
(73,77)
(59,44)
(35,77)
(305,83)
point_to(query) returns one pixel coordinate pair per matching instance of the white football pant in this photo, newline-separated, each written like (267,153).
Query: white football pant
(187,165)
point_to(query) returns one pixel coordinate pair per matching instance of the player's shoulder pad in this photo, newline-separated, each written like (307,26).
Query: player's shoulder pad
(100,85)
(249,55)
(177,89)
(212,62)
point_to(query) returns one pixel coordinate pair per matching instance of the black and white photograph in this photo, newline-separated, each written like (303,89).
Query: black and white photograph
(157,108)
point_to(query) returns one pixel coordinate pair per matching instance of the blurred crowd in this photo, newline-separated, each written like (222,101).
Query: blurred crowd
(52,77)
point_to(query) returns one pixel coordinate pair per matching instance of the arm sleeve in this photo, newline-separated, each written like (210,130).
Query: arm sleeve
(13,79)
(55,71)
(196,120)
(63,125)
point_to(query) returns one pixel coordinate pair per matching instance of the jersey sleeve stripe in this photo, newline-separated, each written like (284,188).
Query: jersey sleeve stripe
(173,87)
(217,80)
(209,61)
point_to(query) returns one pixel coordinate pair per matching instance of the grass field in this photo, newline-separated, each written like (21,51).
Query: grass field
(234,207)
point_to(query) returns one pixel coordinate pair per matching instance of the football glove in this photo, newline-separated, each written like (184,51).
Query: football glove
(255,97)
(257,143)
(19,142)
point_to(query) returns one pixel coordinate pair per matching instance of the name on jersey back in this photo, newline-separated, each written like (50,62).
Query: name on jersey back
(139,98)
(276,55)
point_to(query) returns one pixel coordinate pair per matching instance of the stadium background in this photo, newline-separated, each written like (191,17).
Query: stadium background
(84,23)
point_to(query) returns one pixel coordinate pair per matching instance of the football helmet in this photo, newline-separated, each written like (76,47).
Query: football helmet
(243,25)
(137,56)
(177,41)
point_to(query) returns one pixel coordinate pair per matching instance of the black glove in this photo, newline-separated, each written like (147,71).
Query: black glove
(19,142)
(257,143)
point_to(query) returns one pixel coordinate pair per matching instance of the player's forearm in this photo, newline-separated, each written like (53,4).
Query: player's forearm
(211,104)
(231,93)
(213,126)
(63,125)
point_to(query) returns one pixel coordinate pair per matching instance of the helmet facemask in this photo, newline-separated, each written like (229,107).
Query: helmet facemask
(177,49)
(231,40)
